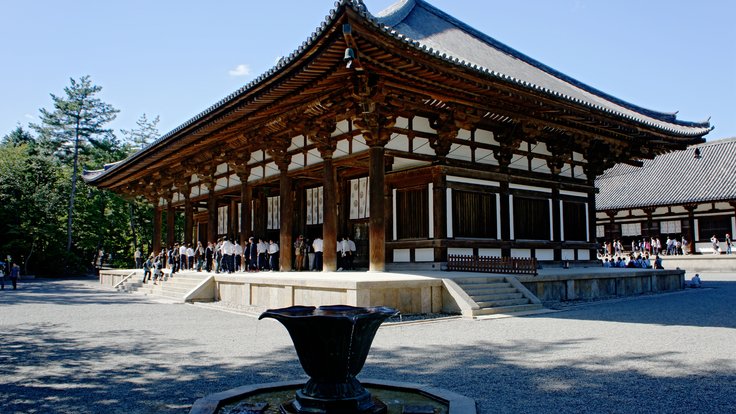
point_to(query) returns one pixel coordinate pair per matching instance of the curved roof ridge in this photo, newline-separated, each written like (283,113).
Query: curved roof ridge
(399,11)
(285,60)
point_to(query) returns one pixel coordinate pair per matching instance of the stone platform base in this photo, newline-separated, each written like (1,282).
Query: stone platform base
(411,293)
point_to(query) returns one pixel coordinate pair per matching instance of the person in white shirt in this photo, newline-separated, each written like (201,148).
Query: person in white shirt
(190,257)
(317,245)
(182,257)
(238,255)
(273,254)
(227,256)
(262,249)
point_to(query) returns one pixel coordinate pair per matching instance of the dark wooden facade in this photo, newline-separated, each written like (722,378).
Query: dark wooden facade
(415,154)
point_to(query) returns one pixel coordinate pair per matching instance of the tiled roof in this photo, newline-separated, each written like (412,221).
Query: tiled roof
(428,29)
(674,178)
(435,32)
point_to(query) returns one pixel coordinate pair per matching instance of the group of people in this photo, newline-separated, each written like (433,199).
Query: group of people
(652,245)
(636,261)
(11,271)
(717,244)
(226,256)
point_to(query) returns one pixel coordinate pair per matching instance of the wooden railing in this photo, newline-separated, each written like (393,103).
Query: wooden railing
(487,264)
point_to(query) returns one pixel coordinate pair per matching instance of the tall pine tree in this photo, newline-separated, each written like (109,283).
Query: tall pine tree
(78,118)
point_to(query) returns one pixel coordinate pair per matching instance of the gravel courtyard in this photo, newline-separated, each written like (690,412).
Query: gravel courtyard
(70,346)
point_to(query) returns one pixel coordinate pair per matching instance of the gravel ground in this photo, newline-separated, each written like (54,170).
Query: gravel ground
(70,346)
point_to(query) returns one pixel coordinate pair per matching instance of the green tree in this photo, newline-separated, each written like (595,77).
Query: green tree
(139,138)
(18,136)
(78,121)
(32,193)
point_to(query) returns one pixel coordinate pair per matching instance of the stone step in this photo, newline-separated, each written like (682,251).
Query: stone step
(489,291)
(491,285)
(498,296)
(479,281)
(502,302)
(506,309)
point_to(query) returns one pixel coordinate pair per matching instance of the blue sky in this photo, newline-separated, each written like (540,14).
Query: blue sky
(176,58)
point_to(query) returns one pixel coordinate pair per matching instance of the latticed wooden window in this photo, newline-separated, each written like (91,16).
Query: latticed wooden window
(531,218)
(412,213)
(474,214)
(710,226)
(573,214)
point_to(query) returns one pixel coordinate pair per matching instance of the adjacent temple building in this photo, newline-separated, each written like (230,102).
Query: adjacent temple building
(682,194)
(409,131)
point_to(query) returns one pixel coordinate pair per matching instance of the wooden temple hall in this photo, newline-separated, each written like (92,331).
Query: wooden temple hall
(408,131)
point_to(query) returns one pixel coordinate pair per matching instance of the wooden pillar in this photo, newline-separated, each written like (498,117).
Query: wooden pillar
(232,220)
(188,220)
(591,224)
(156,228)
(329,215)
(377,222)
(557,223)
(286,223)
(506,219)
(211,212)
(691,233)
(170,222)
(246,196)
(439,199)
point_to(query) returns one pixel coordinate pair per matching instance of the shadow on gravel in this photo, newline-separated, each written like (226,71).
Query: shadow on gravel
(711,306)
(47,369)
(65,292)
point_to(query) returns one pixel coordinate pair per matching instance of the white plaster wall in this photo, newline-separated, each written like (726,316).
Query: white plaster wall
(489,252)
(568,254)
(583,254)
(521,253)
(402,122)
(421,146)
(484,156)
(271,169)
(296,142)
(401,255)
(421,124)
(539,165)
(519,162)
(424,255)
(341,149)
(313,157)
(545,254)
(221,183)
(463,134)
(541,148)
(359,144)
(399,142)
(464,251)
(341,128)
(460,152)
(483,136)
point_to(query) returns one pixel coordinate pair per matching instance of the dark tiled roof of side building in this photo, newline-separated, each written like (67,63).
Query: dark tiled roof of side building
(674,178)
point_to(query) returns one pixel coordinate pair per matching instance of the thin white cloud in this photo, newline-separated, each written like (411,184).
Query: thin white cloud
(240,70)
(29,116)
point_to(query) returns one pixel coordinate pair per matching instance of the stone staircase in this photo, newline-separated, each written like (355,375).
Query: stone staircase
(173,288)
(498,295)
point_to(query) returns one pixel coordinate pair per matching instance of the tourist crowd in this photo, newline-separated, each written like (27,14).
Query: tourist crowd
(226,256)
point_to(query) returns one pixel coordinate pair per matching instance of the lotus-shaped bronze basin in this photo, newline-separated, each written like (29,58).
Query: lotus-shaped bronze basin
(332,343)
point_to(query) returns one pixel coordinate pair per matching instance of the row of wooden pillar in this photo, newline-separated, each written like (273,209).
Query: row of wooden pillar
(377,235)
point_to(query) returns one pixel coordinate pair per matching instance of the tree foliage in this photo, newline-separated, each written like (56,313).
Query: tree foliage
(139,138)
(38,174)
(77,124)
